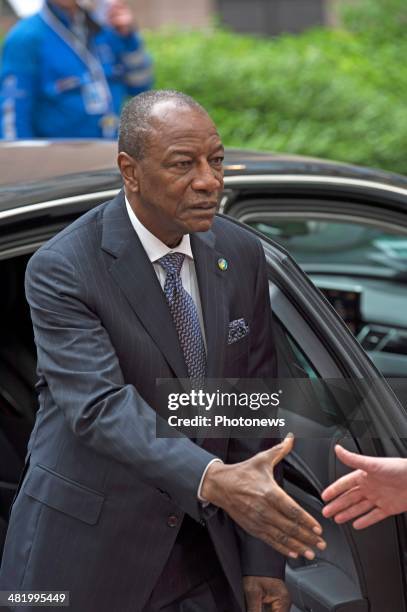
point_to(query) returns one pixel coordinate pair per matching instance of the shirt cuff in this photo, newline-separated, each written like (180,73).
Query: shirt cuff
(202,499)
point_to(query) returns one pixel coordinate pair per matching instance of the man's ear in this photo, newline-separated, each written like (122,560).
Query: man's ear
(129,169)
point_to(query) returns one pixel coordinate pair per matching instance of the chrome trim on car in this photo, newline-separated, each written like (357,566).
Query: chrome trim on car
(26,249)
(322,216)
(317,179)
(30,208)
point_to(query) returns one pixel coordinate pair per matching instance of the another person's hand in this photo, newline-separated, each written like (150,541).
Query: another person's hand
(248,492)
(260,590)
(375,490)
(120,17)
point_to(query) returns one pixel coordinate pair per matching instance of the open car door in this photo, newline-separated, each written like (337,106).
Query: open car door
(360,570)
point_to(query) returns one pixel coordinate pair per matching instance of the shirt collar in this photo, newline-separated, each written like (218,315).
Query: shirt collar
(152,245)
(60,13)
(83,18)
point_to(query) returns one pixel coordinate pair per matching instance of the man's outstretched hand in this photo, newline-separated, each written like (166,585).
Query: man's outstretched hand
(376,489)
(248,492)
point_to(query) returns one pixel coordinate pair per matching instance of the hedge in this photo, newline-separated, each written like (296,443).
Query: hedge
(379,20)
(326,93)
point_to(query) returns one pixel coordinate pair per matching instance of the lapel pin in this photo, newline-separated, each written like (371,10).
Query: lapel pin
(222,264)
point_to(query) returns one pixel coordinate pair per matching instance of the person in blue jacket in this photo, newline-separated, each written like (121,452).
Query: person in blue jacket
(66,75)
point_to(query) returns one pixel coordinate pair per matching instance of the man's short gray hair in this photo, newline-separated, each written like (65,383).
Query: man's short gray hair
(135,121)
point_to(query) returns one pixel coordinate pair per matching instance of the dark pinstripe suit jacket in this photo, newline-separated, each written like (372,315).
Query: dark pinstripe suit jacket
(92,514)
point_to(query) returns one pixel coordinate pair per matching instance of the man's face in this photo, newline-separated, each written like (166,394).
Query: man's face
(180,179)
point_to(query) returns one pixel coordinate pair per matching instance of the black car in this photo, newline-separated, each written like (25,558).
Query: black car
(347,228)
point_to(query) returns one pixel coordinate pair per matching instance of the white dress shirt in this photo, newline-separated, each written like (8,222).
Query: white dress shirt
(156,249)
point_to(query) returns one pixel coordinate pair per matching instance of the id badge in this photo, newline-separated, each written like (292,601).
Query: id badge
(95,98)
(110,124)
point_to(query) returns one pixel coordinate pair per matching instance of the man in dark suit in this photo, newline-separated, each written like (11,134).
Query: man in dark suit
(143,287)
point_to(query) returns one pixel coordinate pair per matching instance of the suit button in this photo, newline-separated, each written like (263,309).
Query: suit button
(202,522)
(172,520)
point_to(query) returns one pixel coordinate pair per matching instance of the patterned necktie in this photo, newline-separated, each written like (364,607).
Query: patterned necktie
(185,316)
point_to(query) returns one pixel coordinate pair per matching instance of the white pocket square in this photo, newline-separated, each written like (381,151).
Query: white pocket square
(238,329)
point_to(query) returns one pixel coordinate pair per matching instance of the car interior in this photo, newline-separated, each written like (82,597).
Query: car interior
(18,402)
(356,256)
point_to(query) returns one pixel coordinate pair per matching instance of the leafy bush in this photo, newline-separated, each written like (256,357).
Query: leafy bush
(381,20)
(324,93)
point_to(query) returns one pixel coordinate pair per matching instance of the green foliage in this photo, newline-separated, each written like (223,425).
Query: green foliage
(381,20)
(324,93)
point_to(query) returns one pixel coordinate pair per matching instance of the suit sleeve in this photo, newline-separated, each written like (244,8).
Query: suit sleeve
(258,558)
(82,371)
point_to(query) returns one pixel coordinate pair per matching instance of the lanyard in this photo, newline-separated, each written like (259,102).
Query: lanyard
(89,59)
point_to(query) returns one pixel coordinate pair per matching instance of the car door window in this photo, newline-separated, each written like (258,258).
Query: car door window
(357,255)
(339,243)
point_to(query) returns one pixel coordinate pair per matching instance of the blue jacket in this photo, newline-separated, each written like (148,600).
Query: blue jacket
(50,90)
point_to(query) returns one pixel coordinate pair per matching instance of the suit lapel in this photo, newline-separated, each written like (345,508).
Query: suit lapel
(213,284)
(135,275)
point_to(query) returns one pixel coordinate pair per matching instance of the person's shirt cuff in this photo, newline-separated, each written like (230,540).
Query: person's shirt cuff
(202,499)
